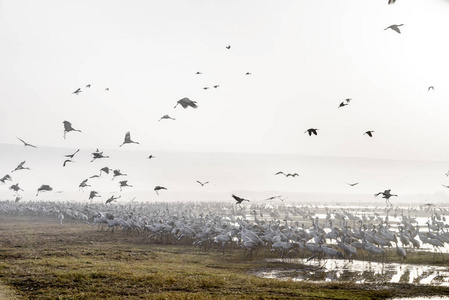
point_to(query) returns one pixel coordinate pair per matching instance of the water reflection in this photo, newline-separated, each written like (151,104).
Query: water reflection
(333,270)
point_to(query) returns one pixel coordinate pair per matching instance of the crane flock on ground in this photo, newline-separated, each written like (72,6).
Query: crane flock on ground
(201,224)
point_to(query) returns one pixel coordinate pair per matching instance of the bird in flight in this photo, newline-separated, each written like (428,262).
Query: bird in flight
(44,188)
(20,167)
(228,47)
(386,194)
(93,194)
(118,173)
(128,139)
(216,86)
(186,102)
(70,156)
(124,183)
(238,199)
(4,178)
(25,143)
(202,183)
(158,188)
(113,198)
(288,174)
(77,91)
(247,73)
(98,155)
(151,156)
(394,27)
(166,117)
(198,73)
(83,184)
(391,1)
(352,184)
(369,133)
(15,187)
(66,161)
(68,127)
(345,102)
(205,88)
(88,86)
(311,131)
(105,169)
(106,89)
(276,197)
(431,88)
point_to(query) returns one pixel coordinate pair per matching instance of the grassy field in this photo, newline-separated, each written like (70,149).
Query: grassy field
(41,260)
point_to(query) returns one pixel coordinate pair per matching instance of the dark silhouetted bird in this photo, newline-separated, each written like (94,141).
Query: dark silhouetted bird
(106,89)
(4,178)
(68,127)
(83,184)
(216,86)
(352,184)
(198,73)
(88,86)
(205,88)
(151,156)
(275,197)
(386,195)
(25,143)
(93,194)
(431,88)
(113,198)
(238,199)
(288,174)
(15,187)
(70,156)
(158,188)
(44,188)
(342,104)
(77,91)
(105,169)
(128,139)
(117,173)
(202,184)
(391,1)
(98,155)
(369,133)
(228,47)
(20,167)
(165,117)
(247,73)
(394,27)
(67,161)
(124,183)
(311,131)
(186,102)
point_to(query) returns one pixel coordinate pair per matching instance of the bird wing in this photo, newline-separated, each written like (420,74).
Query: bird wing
(280,172)
(395,28)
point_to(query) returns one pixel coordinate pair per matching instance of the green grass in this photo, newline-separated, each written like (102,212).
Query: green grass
(41,260)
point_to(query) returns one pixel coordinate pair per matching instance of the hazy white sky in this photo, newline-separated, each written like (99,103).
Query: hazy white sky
(305,57)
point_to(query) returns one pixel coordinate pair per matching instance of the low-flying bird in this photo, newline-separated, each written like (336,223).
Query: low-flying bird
(275,197)
(44,188)
(151,156)
(228,47)
(128,139)
(18,199)
(238,199)
(4,178)
(186,102)
(25,143)
(98,155)
(68,127)
(77,91)
(113,198)
(83,184)
(166,117)
(93,194)
(118,173)
(352,184)
(216,86)
(395,27)
(67,161)
(158,188)
(311,131)
(431,88)
(124,183)
(386,195)
(105,169)
(15,187)
(20,167)
(70,156)
(88,86)
(369,133)
(202,183)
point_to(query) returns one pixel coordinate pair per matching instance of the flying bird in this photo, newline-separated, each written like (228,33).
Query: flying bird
(216,86)
(77,91)
(238,199)
(93,194)
(431,88)
(247,73)
(369,133)
(83,184)
(311,131)
(113,198)
(205,88)
(386,195)
(352,184)
(25,143)
(128,139)
(67,161)
(158,188)
(343,104)
(70,156)
(166,117)
(391,1)
(106,89)
(151,156)
(44,188)
(118,173)
(202,184)
(98,155)
(186,102)
(124,183)
(394,27)
(105,169)
(20,167)
(288,174)
(198,73)
(228,47)
(15,187)
(4,178)
(88,86)
(68,127)
(275,197)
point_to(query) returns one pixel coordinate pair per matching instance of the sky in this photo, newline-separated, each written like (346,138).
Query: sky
(305,58)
